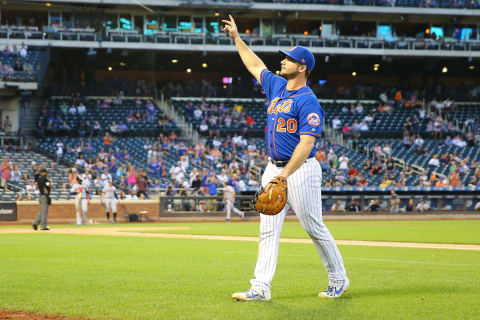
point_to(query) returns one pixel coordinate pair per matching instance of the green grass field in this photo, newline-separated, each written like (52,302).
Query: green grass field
(156,278)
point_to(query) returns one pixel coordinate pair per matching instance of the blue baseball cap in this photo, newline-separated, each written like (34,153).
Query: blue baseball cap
(302,55)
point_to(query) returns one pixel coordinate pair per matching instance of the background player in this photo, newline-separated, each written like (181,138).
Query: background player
(81,201)
(293,124)
(229,200)
(110,198)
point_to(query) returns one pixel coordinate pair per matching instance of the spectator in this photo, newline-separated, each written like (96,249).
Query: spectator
(5,169)
(423,206)
(374,205)
(7,125)
(338,206)
(434,162)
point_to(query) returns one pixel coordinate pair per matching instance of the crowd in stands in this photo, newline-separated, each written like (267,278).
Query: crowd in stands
(391,3)
(109,87)
(53,120)
(200,170)
(248,88)
(14,59)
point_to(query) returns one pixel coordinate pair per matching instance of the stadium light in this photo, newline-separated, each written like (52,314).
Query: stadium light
(445,70)
(354,74)
(305,33)
(471,67)
(376,65)
(204,65)
(48,4)
(189,70)
(277,72)
(174,61)
(123,64)
(110,68)
(217,14)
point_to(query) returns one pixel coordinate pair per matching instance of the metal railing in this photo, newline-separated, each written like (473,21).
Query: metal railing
(184,38)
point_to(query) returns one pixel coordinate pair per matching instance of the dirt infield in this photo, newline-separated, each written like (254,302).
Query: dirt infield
(143,232)
(19,315)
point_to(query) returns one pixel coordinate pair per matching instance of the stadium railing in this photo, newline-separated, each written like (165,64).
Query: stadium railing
(185,38)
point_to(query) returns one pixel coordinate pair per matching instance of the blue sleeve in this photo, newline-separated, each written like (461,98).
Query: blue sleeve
(270,83)
(310,116)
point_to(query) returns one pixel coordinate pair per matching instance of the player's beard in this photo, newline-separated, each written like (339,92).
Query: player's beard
(289,75)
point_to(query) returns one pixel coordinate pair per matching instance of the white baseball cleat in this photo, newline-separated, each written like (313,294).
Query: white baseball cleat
(335,291)
(252,295)
(243,215)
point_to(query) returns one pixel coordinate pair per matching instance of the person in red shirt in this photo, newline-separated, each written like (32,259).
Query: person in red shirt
(250,121)
(352,171)
(6,169)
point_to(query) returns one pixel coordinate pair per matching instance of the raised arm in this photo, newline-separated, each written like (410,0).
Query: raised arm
(249,58)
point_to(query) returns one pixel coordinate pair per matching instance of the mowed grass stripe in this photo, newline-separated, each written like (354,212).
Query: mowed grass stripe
(425,231)
(151,278)
(434,231)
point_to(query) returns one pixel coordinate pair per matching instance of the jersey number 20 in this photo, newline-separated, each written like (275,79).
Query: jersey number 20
(291,125)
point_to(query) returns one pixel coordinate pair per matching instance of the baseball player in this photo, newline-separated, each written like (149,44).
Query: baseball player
(81,201)
(110,197)
(294,119)
(229,199)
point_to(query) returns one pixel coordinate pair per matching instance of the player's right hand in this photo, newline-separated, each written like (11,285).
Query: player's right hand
(230,27)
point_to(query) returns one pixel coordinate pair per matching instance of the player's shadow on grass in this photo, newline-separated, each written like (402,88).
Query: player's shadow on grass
(407,290)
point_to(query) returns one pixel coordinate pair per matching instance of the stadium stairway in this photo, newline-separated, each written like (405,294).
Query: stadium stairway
(31,117)
(186,128)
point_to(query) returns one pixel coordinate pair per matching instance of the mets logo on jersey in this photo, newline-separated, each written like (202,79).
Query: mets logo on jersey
(313,119)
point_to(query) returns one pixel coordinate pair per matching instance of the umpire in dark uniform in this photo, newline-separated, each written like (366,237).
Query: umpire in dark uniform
(44,186)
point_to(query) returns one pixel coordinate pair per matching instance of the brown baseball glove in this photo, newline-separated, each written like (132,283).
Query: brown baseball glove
(271,200)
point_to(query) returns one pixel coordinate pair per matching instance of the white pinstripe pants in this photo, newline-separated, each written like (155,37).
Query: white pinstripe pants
(305,198)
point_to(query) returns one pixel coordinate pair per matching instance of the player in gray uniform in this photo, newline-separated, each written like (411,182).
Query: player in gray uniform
(229,200)
(81,201)
(294,122)
(110,199)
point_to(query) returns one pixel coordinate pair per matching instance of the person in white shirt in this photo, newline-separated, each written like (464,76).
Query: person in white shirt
(23,51)
(110,199)
(222,177)
(59,152)
(72,110)
(423,206)
(81,109)
(229,199)
(336,123)
(177,172)
(104,178)
(387,150)
(81,201)
(197,113)
(184,161)
(434,162)
(86,178)
(343,162)
(216,143)
(80,161)
(419,141)
(363,126)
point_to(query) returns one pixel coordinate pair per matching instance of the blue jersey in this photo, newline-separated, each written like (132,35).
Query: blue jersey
(290,115)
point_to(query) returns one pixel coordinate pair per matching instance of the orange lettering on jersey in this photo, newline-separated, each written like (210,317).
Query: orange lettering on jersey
(285,106)
(271,108)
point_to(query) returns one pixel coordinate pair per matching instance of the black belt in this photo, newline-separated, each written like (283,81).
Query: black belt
(279,163)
